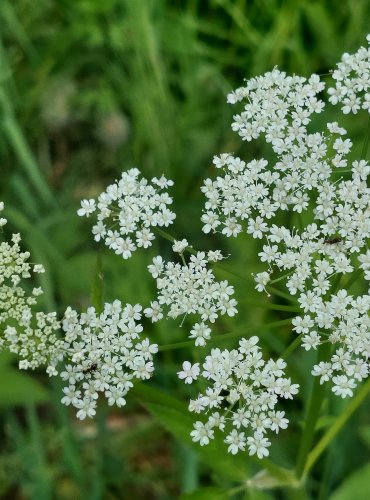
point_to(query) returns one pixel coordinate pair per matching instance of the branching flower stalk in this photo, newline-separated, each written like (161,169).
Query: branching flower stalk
(102,352)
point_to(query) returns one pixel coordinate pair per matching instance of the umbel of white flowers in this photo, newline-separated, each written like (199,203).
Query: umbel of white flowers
(191,289)
(127,210)
(241,396)
(103,352)
(30,334)
(334,240)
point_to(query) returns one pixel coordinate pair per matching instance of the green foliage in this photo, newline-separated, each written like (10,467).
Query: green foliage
(19,388)
(355,486)
(88,88)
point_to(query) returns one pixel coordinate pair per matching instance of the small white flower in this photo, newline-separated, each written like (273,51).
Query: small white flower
(179,246)
(343,386)
(202,433)
(236,441)
(154,312)
(258,444)
(87,208)
(189,372)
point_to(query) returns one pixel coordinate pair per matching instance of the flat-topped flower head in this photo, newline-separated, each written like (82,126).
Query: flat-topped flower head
(329,237)
(276,106)
(27,331)
(128,210)
(191,289)
(243,391)
(352,81)
(103,353)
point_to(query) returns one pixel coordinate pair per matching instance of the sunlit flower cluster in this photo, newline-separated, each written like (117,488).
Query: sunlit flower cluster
(326,239)
(352,81)
(103,353)
(191,289)
(29,333)
(342,320)
(240,400)
(276,106)
(127,211)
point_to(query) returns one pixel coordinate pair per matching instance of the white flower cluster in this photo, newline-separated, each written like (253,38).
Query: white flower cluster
(352,77)
(276,106)
(127,210)
(342,320)
(103,353)
(191,289)
(241,398)
(333,219)
(28,333)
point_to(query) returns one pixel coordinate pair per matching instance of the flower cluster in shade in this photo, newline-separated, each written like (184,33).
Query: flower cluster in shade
(241,397)
(102,353)
(352,81)
(128,210)
(25,331)
(191,289)
(325,250)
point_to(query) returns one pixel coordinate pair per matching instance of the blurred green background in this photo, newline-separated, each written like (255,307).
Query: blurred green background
(91,87)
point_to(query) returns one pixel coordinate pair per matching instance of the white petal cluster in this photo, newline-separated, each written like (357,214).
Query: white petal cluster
(277,106)
(127,211)
(256,191)
(352,77)
(191,289)
(329,238)
(29,333)
(342,320)
(103,353)
(240,400)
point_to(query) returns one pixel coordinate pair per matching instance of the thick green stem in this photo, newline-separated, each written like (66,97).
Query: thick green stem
(292,347)
(224,336)
(337,426)
(312,415)
(366,143)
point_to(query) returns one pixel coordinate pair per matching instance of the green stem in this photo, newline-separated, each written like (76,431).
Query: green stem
(282,277)
(268,305)
(191,250)
(281,294)
(291,347)
(366,143)
(224,336)
(337,426)
(312,415)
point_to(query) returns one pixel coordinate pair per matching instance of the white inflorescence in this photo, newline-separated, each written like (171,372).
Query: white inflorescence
(352,77)
(127,211)
(240,400)
(191,289)
(103,353)
(331,239)
(26,332)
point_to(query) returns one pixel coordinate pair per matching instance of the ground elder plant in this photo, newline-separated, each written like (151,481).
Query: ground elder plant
(191,289)
(242,394)
(321,250)
(25,330)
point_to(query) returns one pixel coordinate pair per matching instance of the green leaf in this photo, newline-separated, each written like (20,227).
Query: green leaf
(212,493)
(214,455)
(19,389)
(97,285)
(355,486)
(364,433)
